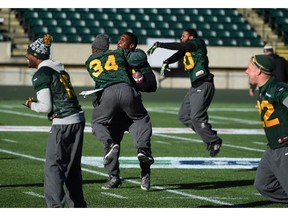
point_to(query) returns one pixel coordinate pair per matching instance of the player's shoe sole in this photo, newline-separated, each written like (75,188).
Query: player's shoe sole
(111,154)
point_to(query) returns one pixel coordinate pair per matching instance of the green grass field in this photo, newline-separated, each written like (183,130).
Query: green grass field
(22,155)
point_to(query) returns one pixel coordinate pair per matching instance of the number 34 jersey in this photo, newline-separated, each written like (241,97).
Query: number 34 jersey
(108,67)
(52,75)
(274,114)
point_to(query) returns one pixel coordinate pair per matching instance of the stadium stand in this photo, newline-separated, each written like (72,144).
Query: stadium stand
(277,19)
(213,24)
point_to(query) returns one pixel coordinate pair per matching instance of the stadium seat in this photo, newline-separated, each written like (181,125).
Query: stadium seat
(45,15)
(229,42)
(209,34)
(83,30)
(215,42)
(210,19)
(230,27)
(74,38)
(54,30)
(92,23)
(123,11)
(137,10)
(51,22)
(87,38)
(237,34)
(69,30)
(36,22)
(191,11)
(101,16)
(204,12)
(87,16)
(144,17)
(60,38)
(96,31)
(140,32)
(59,15)
(167,33)
(157,18)
(197,19)
(73,16)
(151,11)
(217,26)
(78,23)
(164,11)
(64,22)
(136,24)
(107,24)
(218,12)
(223,34)
(203,26)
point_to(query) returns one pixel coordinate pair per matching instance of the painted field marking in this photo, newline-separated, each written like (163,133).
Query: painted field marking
(9,140)
(156,130)
(31,193)
(131,181)
(114,195)
(180,162)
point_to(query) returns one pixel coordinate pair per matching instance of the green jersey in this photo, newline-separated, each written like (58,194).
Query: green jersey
(274,114)
(108,67)
(64,99)
(196,62)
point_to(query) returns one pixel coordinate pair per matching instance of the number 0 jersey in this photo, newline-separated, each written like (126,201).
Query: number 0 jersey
(274,114)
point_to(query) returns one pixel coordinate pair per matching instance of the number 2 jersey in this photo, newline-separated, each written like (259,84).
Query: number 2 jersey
(274,114)
(52,75)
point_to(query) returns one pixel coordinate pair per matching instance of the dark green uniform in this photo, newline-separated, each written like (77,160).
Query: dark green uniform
(272,173)
(108,67)
(274,114)
(65,102)
(63,178)
(196,62)
(193,111)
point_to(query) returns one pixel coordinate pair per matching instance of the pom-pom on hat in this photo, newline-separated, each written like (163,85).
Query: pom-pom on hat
(268,47)
(41,47)
(101,42)
(264,62)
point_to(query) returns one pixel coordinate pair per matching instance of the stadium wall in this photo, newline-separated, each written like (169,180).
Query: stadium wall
(228,64)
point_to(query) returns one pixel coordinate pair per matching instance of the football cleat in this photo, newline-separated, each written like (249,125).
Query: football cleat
(145,182)
(114,148)
(214,148)
(113,182)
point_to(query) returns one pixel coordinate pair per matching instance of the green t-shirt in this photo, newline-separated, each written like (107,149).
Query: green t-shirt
(108,67)
(64,99)
(274,114)
(196,62)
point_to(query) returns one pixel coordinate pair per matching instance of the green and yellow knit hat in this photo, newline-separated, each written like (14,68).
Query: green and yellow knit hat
(264,62)
(41,47)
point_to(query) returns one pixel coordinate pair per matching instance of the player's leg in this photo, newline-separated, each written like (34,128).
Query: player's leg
(200,100)
(266,181)
(73,143)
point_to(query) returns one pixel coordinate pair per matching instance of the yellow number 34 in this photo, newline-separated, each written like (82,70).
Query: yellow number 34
(267,122)
(97,67)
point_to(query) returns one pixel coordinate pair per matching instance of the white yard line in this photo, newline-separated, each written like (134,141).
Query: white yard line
(31,193)
(215,201)
(114,195)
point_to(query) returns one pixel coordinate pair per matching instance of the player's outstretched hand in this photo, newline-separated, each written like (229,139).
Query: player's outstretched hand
(29,101)
(152,49)
(164,68)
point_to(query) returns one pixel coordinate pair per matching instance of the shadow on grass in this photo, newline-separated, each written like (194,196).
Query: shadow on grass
(211,185)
